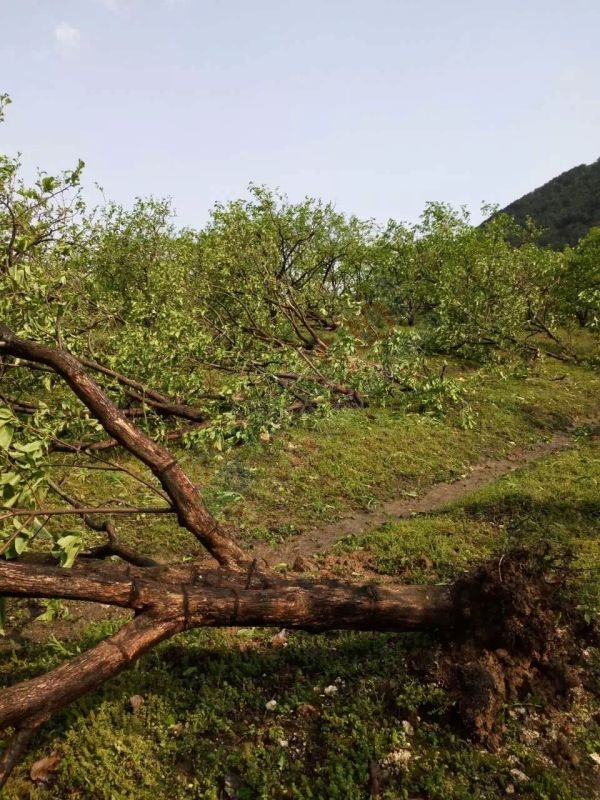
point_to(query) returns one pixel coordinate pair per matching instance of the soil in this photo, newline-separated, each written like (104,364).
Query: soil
(517,634)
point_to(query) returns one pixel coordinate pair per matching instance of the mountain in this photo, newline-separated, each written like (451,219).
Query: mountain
(566,207)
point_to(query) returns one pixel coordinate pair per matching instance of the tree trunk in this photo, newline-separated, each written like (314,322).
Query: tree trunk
(168,600)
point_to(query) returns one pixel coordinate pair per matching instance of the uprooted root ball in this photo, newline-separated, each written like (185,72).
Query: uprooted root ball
(517,633)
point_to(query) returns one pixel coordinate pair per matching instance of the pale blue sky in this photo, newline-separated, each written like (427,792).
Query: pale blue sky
(378,105)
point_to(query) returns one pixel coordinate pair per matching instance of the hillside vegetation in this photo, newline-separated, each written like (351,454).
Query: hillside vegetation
(565,208)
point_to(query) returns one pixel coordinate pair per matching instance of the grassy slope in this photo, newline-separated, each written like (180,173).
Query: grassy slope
(204,726)
(324,469)
(555,500)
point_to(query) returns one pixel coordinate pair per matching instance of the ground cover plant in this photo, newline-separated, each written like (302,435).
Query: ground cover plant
(176,405)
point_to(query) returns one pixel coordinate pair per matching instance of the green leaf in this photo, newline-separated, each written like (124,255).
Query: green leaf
(10,478)
(20,544)
(69,547)
(49,184)
(29,447)
(6,435)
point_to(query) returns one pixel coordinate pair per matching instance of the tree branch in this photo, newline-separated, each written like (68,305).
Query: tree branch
(28,703)
(83,510)
(191,512)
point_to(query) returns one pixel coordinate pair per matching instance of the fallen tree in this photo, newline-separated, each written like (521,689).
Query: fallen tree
(272,310)
(168,600)
(238,591)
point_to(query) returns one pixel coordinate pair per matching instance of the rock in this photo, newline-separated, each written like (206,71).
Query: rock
(302,564)
(280,639)
(519,776)
(529,737)
(135,701)
(42,770)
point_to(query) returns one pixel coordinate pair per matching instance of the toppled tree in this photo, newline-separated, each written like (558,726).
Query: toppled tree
(504,629)
(167,600)
(178,339)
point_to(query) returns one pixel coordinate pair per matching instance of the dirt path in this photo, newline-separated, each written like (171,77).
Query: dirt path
(318,540)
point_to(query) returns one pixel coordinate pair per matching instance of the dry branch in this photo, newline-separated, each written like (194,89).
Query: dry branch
(83,510)
(108,444)
(30,702)
(111,548)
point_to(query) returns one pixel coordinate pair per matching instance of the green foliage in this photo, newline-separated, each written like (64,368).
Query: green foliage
(480,291)
(4,102)
(581,281)
(273,310)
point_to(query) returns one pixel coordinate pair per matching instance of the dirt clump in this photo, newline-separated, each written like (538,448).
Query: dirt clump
(517,634)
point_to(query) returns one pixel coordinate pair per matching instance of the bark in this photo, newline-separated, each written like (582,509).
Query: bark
(46,694)
(309,605)
(164,606)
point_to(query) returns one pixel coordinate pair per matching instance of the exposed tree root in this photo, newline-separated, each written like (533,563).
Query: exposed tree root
(516,633)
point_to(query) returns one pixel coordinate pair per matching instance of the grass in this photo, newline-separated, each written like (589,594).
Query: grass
(356,458)
(323,469)
(204,727)
(204,730)
(554,501)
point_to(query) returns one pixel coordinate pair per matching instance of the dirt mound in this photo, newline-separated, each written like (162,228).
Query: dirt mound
(517,634)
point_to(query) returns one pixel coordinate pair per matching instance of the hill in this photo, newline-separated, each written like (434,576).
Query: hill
(566,207)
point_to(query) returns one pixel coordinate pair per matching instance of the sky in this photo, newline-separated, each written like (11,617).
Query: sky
(376,105)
